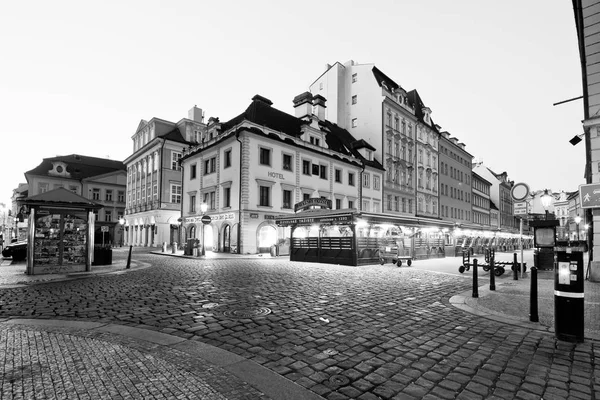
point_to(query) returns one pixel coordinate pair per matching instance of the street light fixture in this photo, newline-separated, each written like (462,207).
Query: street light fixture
(577,222)
(122,223)
(203,209)
(546,199)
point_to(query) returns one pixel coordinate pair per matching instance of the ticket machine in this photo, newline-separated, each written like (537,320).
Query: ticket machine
(568,293)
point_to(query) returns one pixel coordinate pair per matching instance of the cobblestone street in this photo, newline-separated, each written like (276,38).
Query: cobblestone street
(341,332)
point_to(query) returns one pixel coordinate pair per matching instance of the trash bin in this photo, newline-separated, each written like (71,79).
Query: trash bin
(174,247)
(189,247)
(568,293)
(102,256)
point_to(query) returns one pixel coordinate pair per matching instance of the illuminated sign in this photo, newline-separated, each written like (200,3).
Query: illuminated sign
(313,201)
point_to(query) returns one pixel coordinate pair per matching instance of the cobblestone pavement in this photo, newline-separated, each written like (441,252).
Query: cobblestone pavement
(370,332)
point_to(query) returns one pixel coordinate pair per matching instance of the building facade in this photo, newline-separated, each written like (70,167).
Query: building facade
(456,193)
(154,189)
(262,163)
(480,201)
(101,180)
(500,195)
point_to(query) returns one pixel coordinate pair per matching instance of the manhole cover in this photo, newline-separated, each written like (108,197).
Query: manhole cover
(330,352)
(247,312)
(339,380)
(210,305)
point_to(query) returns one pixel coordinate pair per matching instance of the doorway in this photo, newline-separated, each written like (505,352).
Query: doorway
(227,239)
(267,237)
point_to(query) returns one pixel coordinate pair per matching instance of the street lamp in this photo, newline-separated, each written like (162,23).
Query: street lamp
(121,223)
(577,222)
(546,199)
(203,209)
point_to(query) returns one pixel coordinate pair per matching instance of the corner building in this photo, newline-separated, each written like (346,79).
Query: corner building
(258,165)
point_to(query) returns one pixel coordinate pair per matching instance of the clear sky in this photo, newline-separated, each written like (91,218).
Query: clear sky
(78,76)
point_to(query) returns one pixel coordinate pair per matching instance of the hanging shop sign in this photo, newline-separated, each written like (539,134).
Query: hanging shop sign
(313,201)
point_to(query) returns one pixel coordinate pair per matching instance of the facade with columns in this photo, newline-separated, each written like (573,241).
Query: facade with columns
(260,164)
(154,192)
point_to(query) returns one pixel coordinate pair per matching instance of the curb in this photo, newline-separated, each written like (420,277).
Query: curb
(268,382)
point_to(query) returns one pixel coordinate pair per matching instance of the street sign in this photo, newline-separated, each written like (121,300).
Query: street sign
(590,195)
(104,229)
(520,208)
(206,219)
(519,192)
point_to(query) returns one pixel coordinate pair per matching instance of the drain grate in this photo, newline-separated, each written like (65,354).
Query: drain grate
(338,380)
(247,312)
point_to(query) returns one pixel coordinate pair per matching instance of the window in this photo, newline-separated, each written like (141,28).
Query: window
(338,175)
(42,187)
(227,157)
(350,204)
(121,196)
(108,195)
(155,192)
(95,215)
(107,216)
(73,188)
(315,169)
(351,179)
(315,141)
(354,122)
(365,205)
(305,196)
(366,180)
(410,206)
(403,204)
(193,203)
(323,171)
(227,197)
(209,199)
(376,183)
(396,203)
(287,199)
(306,167)
(265,156)
(396,123)
(175,157)
(265,196)
(193,171)
(175,193)
(287,162)
(210,165)
(354,78)
(389,202)
(95,194)
(354,99)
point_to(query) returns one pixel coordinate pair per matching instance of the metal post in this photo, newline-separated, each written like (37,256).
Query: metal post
(492,273)
(533,297)
(203,226)
(475,285)
(521,241)
(129,258)
(514,268)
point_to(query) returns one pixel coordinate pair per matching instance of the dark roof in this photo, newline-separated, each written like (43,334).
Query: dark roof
(80,167)
(61,196)
(415,100)
(260,112)
(380,77)
(174,135)
(493,206)
(342,141)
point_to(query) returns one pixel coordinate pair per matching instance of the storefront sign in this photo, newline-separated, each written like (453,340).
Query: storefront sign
(218,217)
(253,215)
(315,220)
(313,201)
(267,216)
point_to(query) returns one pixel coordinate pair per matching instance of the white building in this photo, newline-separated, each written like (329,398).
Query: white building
(264,161)
(154,189)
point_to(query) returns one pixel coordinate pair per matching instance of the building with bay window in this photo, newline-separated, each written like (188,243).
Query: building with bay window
(154,188)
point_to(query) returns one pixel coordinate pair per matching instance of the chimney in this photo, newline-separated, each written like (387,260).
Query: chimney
(303,105)
(195,114)
(319,106)
(446,135)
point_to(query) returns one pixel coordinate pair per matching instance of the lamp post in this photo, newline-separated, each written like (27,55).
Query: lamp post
(16,228)
(203,209)
(546,199)
(121,224)
(577,222)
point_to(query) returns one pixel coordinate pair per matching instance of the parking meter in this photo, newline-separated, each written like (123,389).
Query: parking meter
(568,293)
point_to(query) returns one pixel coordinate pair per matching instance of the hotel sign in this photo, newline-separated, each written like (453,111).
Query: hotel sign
(313,201)
(218,217)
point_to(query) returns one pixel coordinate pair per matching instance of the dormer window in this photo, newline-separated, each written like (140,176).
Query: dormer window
(314,140)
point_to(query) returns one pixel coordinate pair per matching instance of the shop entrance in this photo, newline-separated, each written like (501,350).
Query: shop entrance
(267,237)
(227,239)
(208,238)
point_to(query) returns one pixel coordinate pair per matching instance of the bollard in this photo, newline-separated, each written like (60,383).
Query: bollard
(475,286)
(514,268)
(533,298)
(129,258)
(174,247)
(164,247)
(492,274)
